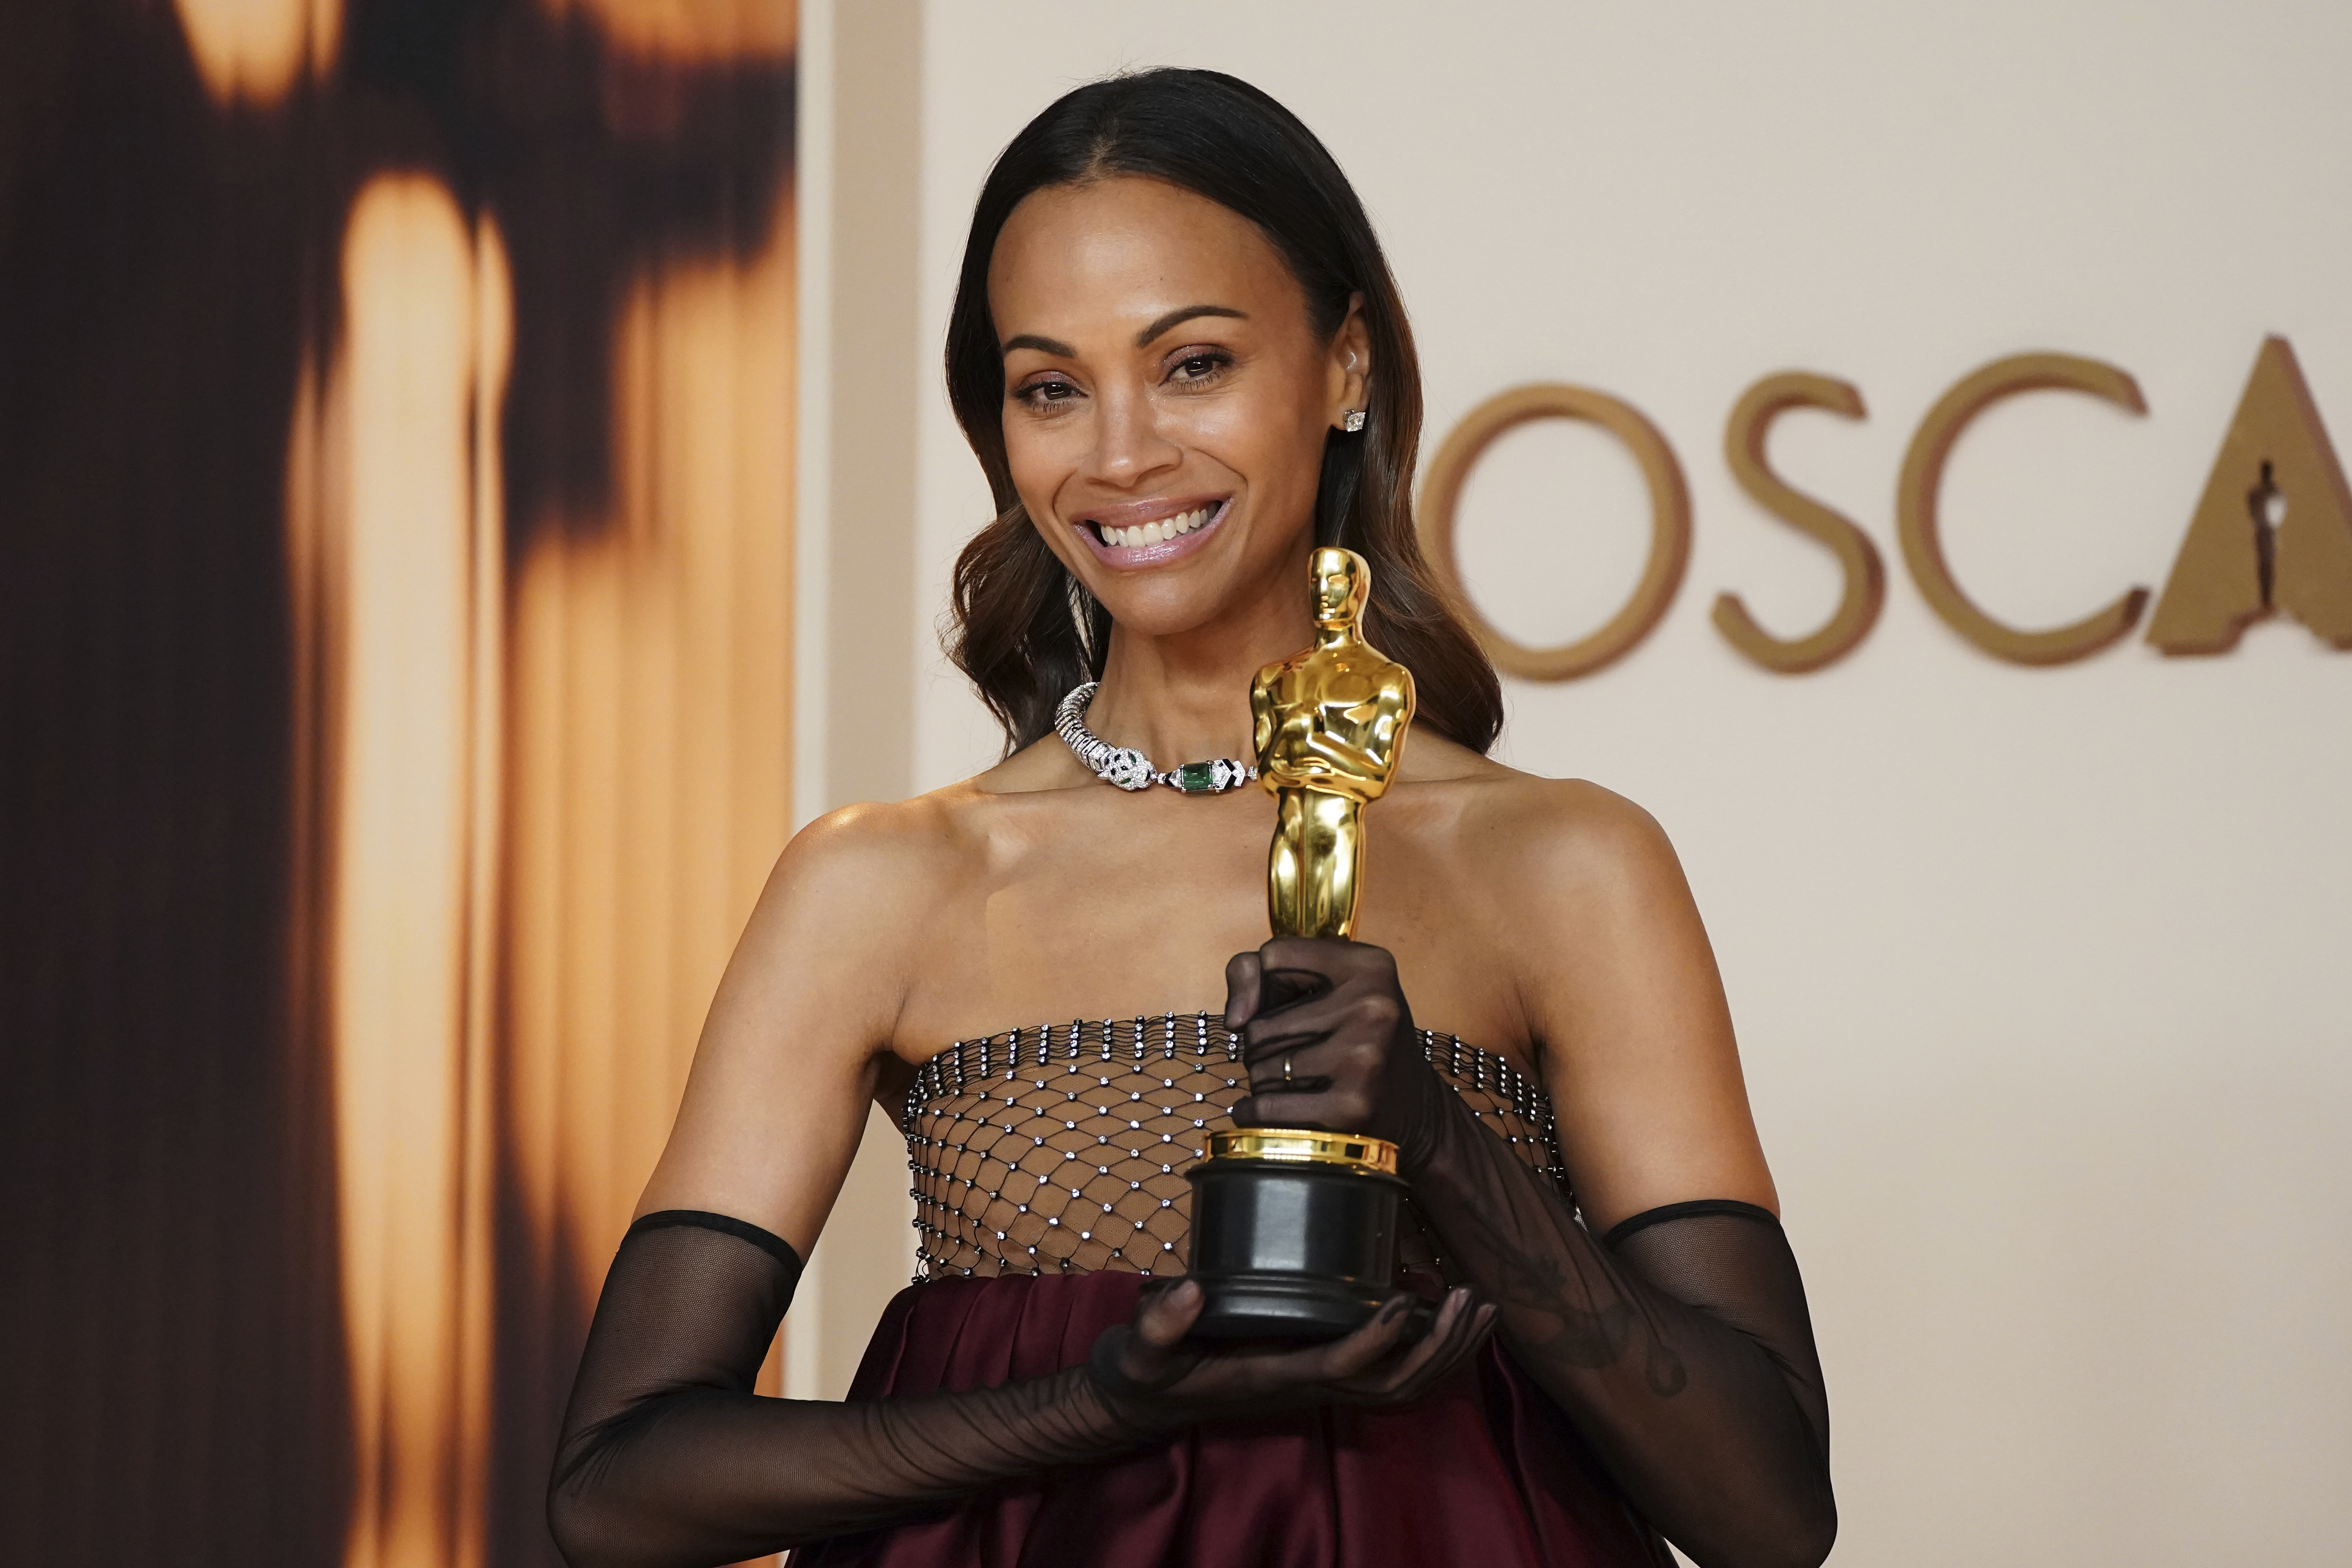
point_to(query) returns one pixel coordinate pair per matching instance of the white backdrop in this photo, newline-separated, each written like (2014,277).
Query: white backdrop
(2040,974)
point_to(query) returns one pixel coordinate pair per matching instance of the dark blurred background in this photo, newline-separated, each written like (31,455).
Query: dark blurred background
(395,427)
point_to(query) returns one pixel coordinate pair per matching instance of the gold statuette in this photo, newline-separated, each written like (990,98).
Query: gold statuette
(1330,726)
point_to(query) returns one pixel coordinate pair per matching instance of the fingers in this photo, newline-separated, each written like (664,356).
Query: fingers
(1407,1384)
(1380,1335)
(1370,1366)
(1337,960)
(1323,1038)
(1166,1315)
(1336,1082)
(1253,1376)
(1143,1356)
(1461,1327)
(1283,989)
(1290,970)
(1366,1011)
(1303,1068)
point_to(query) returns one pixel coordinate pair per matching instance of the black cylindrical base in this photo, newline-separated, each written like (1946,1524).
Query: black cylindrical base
(1292,1250)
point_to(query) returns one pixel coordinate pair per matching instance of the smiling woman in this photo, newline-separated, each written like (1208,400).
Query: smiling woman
(1180,357)
(1294,291)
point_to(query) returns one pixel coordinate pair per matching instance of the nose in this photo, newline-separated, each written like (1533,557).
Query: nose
(1130,445)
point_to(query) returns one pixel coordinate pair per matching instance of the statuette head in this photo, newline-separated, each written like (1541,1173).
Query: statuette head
(1342,582)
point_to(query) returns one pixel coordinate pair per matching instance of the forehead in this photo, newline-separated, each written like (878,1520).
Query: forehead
(1125,250)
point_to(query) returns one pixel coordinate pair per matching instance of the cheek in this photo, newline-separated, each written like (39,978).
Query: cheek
(1280,464)
(1266,435)
(1040,457)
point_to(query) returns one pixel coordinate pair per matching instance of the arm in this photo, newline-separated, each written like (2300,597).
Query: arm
(667,1457)
(1684,1350)
(668,1460)
(1378,756)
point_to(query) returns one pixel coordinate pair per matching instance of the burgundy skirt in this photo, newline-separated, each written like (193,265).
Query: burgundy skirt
(1484,1469)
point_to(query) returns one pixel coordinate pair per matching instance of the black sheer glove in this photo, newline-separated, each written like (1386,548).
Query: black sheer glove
(1682,1349)
(1146,1369)
(668,1460)
(1329,1043)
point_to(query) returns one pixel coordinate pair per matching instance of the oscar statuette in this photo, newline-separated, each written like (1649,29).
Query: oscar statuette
(1294,1229)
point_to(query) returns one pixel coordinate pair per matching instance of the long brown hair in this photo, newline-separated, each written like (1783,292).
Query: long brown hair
(1024,630)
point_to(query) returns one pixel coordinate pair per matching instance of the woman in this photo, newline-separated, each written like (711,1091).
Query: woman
(1178,351)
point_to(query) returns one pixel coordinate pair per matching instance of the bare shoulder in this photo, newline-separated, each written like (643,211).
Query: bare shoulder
(1567,836)
(1534,842)
(871,872)
(867,852)
(1594,921)
(790,1055)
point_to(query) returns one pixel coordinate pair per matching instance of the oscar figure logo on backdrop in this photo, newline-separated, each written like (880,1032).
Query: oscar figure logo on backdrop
(1294,1229)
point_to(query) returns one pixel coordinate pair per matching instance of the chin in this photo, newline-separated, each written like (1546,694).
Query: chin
(1164,608)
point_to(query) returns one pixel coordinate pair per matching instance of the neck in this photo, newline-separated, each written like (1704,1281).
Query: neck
(1185,697)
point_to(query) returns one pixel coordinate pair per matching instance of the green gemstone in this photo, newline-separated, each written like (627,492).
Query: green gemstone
(1197,778)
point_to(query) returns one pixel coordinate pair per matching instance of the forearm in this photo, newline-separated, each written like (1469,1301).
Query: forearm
(668,1460)
(712,1476)
(1717,1435)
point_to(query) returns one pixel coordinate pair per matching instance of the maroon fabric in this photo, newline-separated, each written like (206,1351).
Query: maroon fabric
(1483,1470)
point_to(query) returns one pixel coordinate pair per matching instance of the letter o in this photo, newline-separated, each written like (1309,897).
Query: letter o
(1670,523)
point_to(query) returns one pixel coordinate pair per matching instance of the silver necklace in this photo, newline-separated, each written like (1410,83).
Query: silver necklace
(1130,769)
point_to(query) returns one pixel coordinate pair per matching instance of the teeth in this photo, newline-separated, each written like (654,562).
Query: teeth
(1154,532)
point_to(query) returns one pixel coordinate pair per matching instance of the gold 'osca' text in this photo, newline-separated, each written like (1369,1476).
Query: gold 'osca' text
(2273,532)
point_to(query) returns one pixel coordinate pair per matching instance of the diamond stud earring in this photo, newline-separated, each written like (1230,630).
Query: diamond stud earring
(1354,422)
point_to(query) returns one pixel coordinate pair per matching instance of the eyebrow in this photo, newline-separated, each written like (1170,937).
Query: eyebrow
(1178,317)
(1143,339)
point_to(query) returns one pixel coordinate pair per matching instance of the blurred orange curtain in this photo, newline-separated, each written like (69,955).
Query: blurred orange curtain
(649,747)
(396,543)
(546,803)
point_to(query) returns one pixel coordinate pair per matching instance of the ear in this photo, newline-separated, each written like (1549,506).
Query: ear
(1351,366)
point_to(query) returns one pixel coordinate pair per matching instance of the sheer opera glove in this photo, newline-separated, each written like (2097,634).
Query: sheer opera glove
(668,1460)
(1681,1347)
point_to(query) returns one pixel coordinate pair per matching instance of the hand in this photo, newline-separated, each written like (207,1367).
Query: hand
(1146,1373)
(1330,1044)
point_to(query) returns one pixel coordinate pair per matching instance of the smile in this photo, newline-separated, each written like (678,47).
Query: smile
(1158,539)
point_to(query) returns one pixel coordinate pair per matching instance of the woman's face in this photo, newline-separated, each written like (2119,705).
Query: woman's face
(1165,396)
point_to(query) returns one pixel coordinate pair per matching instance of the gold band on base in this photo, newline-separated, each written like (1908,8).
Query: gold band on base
(1305,1146)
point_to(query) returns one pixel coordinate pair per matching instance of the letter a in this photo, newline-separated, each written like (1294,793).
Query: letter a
(2238,565)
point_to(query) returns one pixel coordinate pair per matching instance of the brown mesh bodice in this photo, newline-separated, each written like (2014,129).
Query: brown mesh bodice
(1063,1149)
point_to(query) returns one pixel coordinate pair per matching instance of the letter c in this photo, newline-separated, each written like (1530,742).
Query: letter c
(1916,493)
(1670,523)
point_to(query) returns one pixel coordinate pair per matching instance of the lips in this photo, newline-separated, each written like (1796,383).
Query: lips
(1157,541)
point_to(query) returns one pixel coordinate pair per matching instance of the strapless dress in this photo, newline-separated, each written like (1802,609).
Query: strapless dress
(1048,1170)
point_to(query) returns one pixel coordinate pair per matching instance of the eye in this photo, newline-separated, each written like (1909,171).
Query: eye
(1045,393)
(1199,366)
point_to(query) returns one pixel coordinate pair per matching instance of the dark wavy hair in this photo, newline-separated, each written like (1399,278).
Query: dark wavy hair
(1023,628)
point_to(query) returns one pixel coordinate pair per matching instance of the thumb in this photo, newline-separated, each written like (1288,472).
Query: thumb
(1165,1317)
(1244,990)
